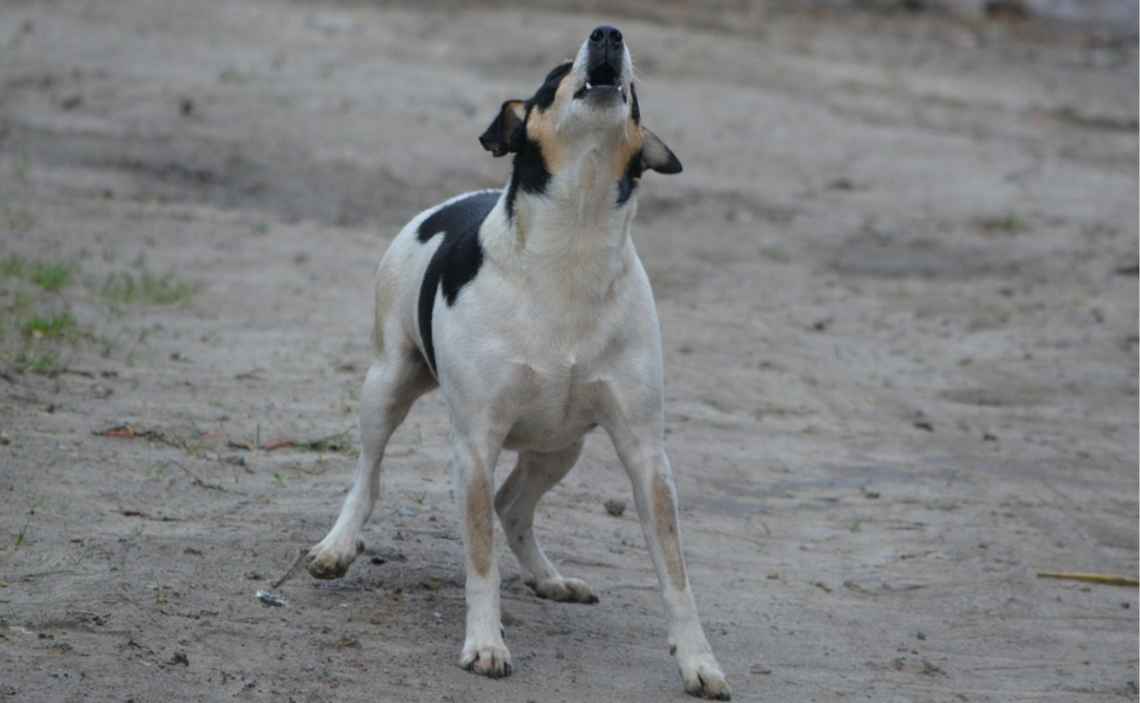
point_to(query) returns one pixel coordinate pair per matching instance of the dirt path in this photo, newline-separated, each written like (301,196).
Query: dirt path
(898,288)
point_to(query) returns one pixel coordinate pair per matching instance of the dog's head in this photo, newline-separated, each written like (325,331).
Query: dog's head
(585,106)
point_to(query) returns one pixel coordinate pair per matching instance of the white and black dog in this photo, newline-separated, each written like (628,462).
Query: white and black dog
(530,309)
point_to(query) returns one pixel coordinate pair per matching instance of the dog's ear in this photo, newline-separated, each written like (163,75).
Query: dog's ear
(506,132)
(656,156)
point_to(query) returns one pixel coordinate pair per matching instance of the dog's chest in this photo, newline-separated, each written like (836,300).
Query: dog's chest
(558,402)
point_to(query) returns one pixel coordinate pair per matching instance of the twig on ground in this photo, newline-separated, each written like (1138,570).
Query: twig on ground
(1103,579)
(339,442)
(292,570)
(198,481)
(128,512)
(127,431)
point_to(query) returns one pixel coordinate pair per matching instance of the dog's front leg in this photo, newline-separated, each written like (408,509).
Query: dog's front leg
(472,466)
(642,452)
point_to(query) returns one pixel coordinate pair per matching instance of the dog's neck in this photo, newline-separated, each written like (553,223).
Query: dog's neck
(575,226)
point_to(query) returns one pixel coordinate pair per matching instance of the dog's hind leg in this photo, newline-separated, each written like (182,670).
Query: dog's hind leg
(534,475)
(393,383)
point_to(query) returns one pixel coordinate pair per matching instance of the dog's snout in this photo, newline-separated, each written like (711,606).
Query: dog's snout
(606,35)
(605,49)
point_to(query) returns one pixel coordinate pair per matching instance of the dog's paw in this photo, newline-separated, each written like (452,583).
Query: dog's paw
(325,562)
(703,678)
(491,659)
(564,590)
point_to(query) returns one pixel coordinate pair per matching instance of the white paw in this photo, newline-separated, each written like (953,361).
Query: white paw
(702,677)
(565,590)
(331,561)
(491,659)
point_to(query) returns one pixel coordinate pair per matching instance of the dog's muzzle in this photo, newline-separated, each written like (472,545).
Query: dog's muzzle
(605,59)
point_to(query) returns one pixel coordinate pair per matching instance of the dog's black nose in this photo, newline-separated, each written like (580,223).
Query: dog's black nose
(605,53)
(606,35)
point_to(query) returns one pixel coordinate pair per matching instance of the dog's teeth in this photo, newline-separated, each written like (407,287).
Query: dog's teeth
(588,86)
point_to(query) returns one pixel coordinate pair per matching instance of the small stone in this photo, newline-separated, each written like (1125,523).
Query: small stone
(270,599)
(921,635)
(615,507)
(180,658)
(931,669)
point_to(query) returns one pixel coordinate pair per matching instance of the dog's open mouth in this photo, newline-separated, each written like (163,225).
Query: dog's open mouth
(602,80)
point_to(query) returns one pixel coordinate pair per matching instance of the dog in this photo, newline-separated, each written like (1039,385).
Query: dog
(531,311)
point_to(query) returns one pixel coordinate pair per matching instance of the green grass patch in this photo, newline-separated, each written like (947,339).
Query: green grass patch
(13,266)
(36,322)
(58,326)
(33,361)
(50,275)
(125,288)
(1009,223)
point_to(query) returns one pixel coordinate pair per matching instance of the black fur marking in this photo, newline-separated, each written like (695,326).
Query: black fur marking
(457,259)
(506,131)
(635,108)
(458,216)
(529,173)
(632,176)
(544,97)
(529,170)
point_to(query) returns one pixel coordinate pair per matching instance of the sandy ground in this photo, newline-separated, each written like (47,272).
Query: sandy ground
(898,291)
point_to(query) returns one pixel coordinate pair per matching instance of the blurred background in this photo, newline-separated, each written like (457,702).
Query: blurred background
(898,290)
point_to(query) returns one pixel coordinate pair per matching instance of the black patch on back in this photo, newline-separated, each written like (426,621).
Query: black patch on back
(634,108)
(457,259)
(629,180)
(458,216)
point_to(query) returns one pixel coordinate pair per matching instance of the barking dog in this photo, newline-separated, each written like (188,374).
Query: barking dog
(529,308)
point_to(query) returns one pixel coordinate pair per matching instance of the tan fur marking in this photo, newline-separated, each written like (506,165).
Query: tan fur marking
(385,294)
(479,522)
(541,129)
(665,517)
(626,150)
(520,228)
